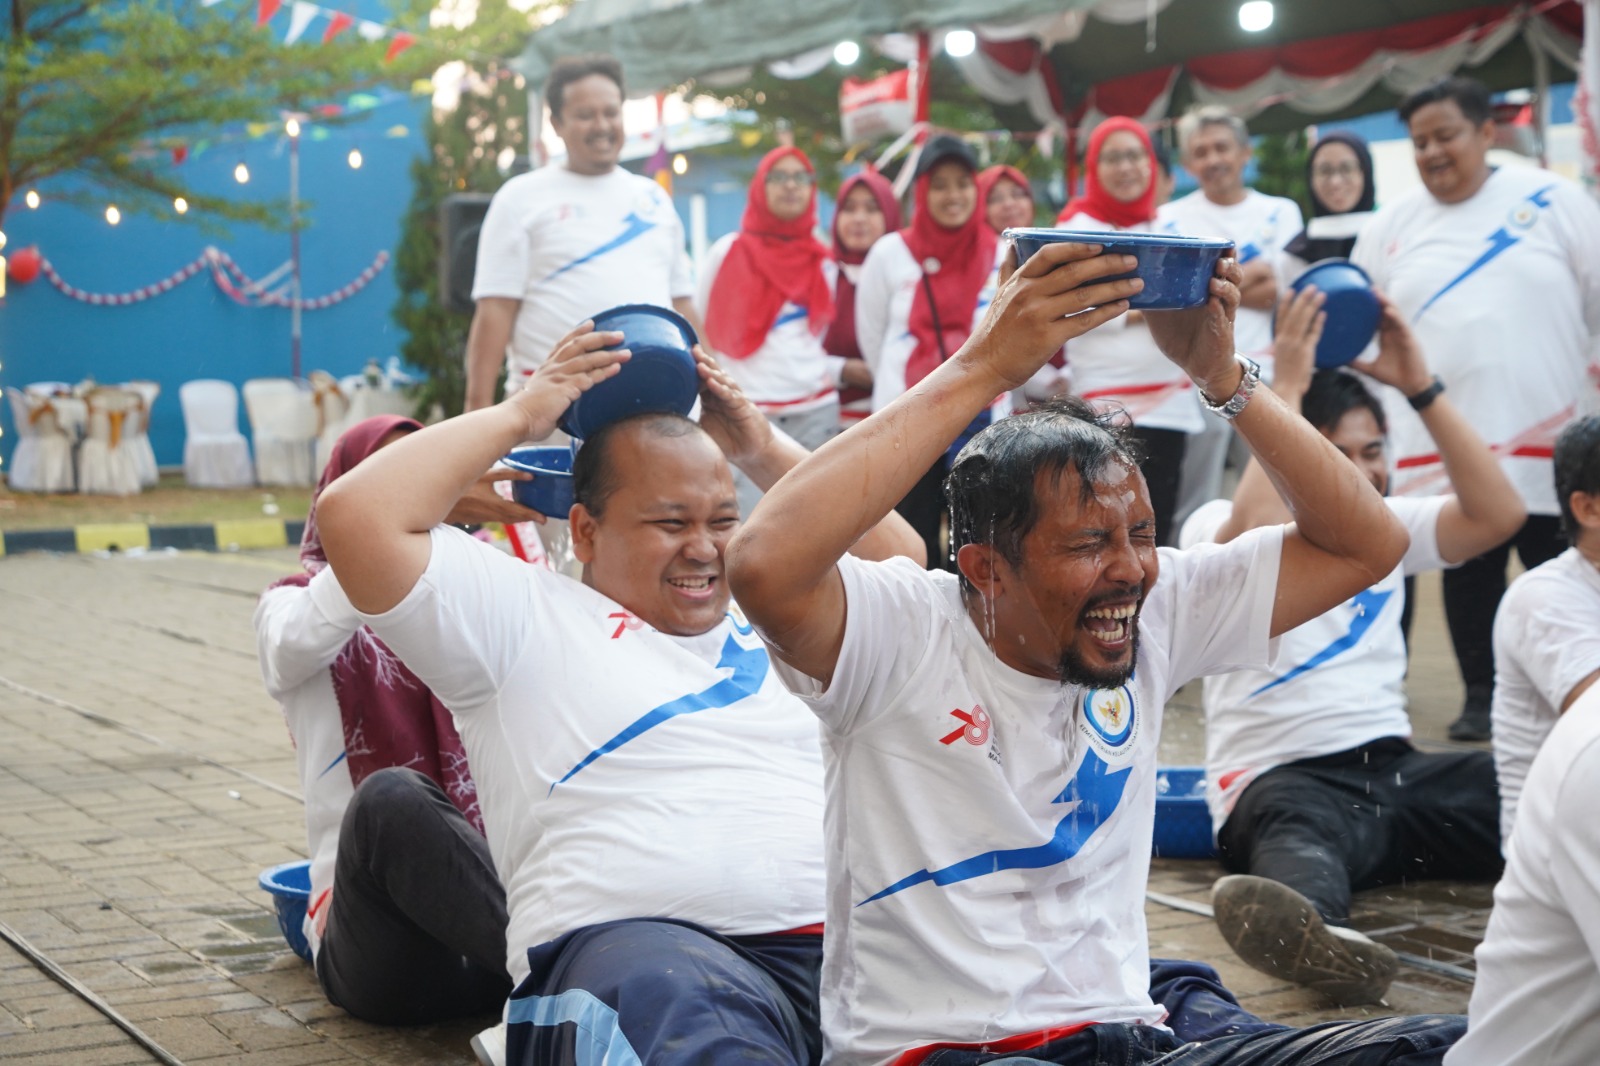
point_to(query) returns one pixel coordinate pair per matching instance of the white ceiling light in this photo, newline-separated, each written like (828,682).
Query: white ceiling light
(960,43)
(1255,16)
(846,53)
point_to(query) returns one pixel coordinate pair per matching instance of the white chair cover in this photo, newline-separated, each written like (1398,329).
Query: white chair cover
(283,423)
(106,463)
(215,453)
(48,388)
(333,410)
(143,454)
(42,459)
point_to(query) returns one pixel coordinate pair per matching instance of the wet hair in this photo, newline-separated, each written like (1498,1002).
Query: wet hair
(1197,119)
(568,69)
(1333,394)
(1577,468)
(1469,94)
(594,474)
(993,483)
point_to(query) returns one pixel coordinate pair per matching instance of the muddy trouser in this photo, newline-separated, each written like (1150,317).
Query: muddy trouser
(1420,1040)
(1375,815)
(417,925)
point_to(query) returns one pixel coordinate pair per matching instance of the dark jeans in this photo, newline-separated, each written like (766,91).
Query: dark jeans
(417,928)
(1161,466)
(1416,1041)
(1375,815)
(1472,594)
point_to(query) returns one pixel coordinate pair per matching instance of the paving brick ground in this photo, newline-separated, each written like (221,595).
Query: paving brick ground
(146,779)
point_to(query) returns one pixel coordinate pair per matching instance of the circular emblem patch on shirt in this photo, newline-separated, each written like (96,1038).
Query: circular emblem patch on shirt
(1523,216)
(1111,721)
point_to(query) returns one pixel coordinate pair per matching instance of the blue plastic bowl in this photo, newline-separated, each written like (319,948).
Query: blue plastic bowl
(550,491)
(1351,305)
(660,376)
(290,887)
(1176,270)
(1183,822)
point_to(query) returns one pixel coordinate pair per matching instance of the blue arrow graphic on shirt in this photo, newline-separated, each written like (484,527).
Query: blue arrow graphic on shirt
(793,313)
(749,667)
(1092,796)
(1499,241)
(1367,605)
(636,227)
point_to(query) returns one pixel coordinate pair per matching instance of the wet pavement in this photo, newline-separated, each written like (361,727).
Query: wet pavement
(146,779)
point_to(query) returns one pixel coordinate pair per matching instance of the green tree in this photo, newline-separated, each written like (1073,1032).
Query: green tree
(102,89)
(1281,167)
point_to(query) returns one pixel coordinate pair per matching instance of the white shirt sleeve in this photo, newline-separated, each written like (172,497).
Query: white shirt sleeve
(1578,226)
(466,621)
(1420,516)
(708,274)
(891,610)
(1290,224)
(1551,631)
(1368,251)
(1575,850)
(1219,600)
(874,290)
(504,248)
(300,630)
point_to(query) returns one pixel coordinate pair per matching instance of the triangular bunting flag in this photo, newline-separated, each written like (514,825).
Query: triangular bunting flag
(300,16)
(401,42)
(265,10)
(336,25)
(370,31)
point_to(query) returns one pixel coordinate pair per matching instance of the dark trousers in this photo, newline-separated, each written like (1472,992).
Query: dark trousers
(924,507)
(416,931)
(1375,815)
(1161,466)
(1472,594)
(1421,1040)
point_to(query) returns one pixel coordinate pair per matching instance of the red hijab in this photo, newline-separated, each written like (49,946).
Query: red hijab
(955,264)
(989,177)
(841,336)
(390,717)
(1096,202)
(771,262)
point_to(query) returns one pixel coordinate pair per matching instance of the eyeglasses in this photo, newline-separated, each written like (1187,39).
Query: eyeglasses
(1116,159)
(800,178)
(1336,170)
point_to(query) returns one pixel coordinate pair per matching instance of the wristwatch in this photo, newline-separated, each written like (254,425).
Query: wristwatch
(1420,400)
(1229,409)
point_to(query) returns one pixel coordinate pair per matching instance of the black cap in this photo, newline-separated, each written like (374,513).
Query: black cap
(942,146)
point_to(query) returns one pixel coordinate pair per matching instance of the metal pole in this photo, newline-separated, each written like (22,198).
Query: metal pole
(294,253)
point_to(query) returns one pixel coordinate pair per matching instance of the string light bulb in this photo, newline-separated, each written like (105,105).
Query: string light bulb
(292,127)
(180,205)
(355,159)
(2,240)
(241,173)
(113,215)
(32,199)
(680,164)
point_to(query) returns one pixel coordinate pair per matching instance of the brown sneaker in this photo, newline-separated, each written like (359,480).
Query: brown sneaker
(1276,930)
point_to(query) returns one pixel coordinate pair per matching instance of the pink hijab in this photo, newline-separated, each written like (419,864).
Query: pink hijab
(390,717)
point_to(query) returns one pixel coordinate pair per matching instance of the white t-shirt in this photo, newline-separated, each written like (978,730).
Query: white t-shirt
(572,245)
(1119,364)
(1536,1001)
(1503,292)
(622,773)
(885,294)
(988,837)
(1259,226)
(1336,682)
(791,372)
(1546,640)
(299,633)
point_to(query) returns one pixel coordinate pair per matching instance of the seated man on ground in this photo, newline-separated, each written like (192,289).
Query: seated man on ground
(1314,786)
(1536,1001)
(416,932)
(991,748)
(1547,630)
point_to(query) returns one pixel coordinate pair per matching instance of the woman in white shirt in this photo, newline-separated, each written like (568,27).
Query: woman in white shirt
(922,291)
(867,209)
(1119,364)
(1339,176)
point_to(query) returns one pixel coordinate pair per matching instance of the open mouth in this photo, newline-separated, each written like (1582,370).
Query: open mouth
(695,586)
(1112,625)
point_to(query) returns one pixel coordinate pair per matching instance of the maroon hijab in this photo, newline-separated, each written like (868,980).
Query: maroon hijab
(390,717)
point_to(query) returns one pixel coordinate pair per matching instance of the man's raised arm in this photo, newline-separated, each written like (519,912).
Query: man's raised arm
(781,565)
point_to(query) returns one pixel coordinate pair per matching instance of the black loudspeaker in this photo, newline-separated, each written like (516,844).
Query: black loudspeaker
(460,220)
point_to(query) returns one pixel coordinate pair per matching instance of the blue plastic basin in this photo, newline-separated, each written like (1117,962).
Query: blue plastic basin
(1183,822)
(290,887)
(1176,270)
(550,491)
(1352,308)
(659,376)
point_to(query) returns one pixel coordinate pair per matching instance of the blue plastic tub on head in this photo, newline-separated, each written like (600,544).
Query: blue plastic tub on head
(1183,822)
(659,375)
(1177,270)
(550,491)
(290,888)
(1351,306)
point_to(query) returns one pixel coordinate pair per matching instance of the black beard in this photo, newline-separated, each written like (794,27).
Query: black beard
(1075,672)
